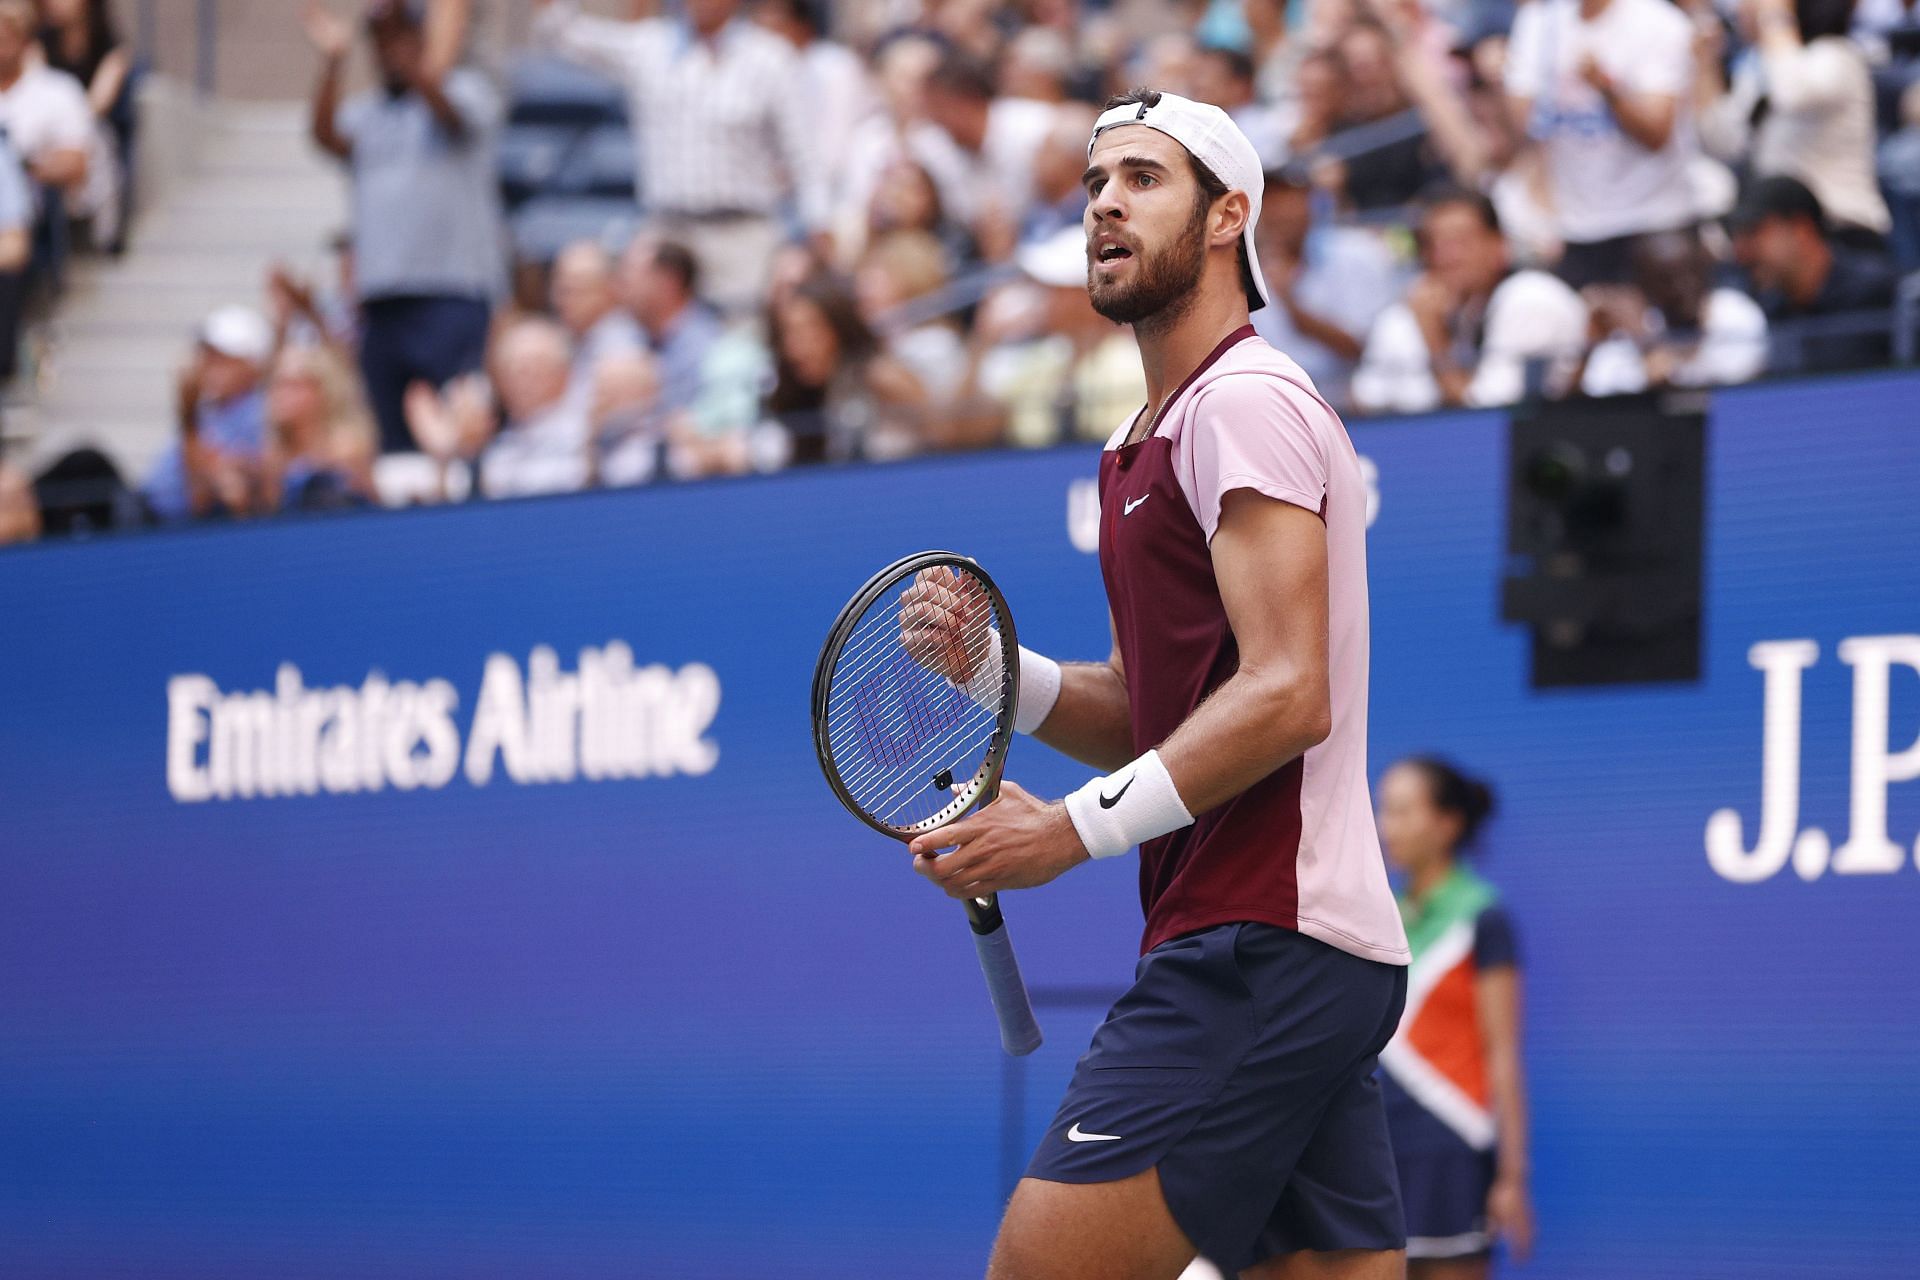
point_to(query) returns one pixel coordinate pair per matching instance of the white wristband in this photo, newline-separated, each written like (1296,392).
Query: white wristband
(1128,806)
(1039,685)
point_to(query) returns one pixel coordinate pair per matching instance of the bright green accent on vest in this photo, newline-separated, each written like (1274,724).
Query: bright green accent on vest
(1460,898)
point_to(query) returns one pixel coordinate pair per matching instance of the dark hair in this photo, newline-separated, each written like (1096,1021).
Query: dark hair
(1817,18)
(102,39)
(963,76)
(1238,63)
(1454,792)
(678,261)
(1442,194)
(806,12)
(1211,188)
(837,306)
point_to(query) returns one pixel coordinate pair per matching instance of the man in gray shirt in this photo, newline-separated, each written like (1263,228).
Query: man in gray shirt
(428,241)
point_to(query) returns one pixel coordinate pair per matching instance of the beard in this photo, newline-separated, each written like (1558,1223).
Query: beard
(1165,286)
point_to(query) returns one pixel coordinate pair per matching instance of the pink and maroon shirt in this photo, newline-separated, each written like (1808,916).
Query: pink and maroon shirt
(1297,849)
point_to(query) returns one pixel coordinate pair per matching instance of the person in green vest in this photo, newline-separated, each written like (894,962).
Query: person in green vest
(1451,1077)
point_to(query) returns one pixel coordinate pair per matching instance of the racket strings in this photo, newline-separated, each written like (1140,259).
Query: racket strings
(903,731)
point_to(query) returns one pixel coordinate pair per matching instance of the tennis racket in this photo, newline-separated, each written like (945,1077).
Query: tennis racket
(912,719)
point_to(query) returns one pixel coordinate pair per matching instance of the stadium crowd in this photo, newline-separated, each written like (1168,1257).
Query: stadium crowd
(759,233)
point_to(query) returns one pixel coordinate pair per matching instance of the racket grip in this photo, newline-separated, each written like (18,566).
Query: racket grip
(1019,1033)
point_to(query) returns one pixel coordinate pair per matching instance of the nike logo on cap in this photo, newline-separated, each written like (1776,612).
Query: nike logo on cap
(1076,1134)
(1126,509)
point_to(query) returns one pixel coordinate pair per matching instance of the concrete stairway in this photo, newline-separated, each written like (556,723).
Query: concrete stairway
(228,188)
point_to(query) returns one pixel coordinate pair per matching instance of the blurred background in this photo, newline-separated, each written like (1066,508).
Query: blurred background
(399,880)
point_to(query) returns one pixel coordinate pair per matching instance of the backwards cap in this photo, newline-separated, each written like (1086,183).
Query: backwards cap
(1211,137)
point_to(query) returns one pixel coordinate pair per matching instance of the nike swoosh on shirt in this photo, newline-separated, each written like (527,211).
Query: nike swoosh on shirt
(1126,508)
(1076,1134)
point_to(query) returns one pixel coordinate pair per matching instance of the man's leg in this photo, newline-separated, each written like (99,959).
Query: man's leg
(1090,1231)
(383,369)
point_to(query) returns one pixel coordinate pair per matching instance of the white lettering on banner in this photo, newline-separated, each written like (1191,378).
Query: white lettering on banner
(1868,849)
(609,720)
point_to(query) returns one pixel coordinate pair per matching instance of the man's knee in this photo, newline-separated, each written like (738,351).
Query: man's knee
(1092,1231)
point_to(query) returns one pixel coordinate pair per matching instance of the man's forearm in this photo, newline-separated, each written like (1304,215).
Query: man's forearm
(326,105)
(1252,725)
(1090,720)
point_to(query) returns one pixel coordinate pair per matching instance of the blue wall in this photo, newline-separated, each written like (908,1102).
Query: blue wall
(701,1024)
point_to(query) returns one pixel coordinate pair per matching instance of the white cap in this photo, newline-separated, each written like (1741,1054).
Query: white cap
(1216,142)
(1059,261)
(240,332)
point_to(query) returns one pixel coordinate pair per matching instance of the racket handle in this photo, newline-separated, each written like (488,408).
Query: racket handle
(1019,1032)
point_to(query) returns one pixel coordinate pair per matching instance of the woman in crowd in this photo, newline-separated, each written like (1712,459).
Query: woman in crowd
(1800,104)
(1452,1080)
(837,394)
(79,38)
(321,437)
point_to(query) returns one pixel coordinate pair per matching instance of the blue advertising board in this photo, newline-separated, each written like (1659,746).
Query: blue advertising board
(454,892)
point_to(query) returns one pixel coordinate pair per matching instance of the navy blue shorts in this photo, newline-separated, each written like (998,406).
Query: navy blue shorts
(1241,1063)
(1443,1181)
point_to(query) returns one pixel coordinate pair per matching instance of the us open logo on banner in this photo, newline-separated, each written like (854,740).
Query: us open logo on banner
(608,719)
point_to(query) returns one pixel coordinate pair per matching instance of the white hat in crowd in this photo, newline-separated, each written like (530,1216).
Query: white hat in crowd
(240,332)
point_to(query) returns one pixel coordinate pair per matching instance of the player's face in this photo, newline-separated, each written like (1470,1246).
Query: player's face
(1146,225)
(1413,830)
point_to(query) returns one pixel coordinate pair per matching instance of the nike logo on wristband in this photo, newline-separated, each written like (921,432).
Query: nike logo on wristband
(1108,801)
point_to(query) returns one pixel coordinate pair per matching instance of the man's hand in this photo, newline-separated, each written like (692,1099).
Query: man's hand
(327,31)
(945,620)
(1017,842)
(1596,76)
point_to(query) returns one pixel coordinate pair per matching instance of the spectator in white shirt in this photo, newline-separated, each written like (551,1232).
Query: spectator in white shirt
(43,112)
(540,445)
(1801,103)
(1671,327)
(834,82)
(587,301)
(1471,331)
(980,151)
(1605,86)
(725,134)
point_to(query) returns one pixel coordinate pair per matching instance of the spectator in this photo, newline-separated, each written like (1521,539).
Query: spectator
(1605,86)
(1045,366)
(322,441)
(1829,304)
(899,269)
(80,39)
(908,199)
(901,68)
(980,151)
(1402,164)
(1037,66)
(1671,327)
(428,243)
(722,128)
(836,393)
(16,253)
(1058,198)
(1321,100)
(1225,78)
(215,467)
(835,85)
(660,279)
(588,304)
(625,420)
(540,444)
(19,511)
(1329,284)
(1801,104)
(43,111)
(1471,330)
(306,314)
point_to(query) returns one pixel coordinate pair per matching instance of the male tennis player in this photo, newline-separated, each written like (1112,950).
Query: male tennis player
(1228,1105)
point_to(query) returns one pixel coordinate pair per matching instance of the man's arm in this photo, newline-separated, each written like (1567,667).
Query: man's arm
(1270,560)
(1090,720)
(1647,118)
(605,44)
(332,38)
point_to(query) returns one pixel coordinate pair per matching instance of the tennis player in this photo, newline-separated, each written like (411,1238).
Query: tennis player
(1228,1105)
